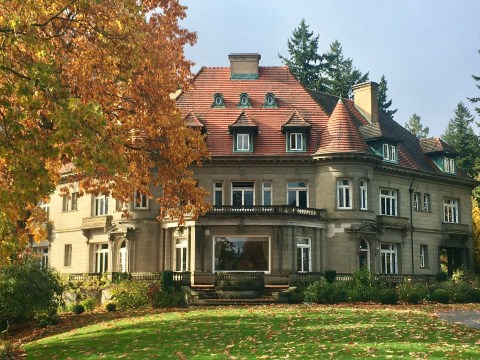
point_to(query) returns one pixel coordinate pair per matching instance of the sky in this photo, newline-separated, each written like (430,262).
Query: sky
(427,49)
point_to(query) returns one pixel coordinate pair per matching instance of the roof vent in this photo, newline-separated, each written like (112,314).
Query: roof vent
(244,66)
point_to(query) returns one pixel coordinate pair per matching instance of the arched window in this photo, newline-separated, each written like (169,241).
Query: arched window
(123,257)
(364,254)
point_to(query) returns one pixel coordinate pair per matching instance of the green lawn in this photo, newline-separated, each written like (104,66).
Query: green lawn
(266,332)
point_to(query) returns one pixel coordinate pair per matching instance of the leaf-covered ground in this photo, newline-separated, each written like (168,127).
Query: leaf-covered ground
(262,332)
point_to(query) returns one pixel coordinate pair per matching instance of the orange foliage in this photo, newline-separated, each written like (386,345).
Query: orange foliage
(476,232)
(85,84)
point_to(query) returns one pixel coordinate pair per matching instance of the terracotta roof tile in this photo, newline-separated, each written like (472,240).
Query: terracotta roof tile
(191,120)
(436,145)
(296,121)
(243,122)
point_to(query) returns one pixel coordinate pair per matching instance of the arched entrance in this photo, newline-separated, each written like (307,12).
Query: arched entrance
(364,254)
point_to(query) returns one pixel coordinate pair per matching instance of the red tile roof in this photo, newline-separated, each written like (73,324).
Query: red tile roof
(296,121)
(191,120)
(243,122)
(436,145)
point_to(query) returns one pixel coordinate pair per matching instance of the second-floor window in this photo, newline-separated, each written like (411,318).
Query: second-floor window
(389,153)
(344,194)
(363,195)
(101,205)
(426,202)
(297,194)
(242,193)
(416,201)
(450,210)
(217,193)
(70,202)
(140,200)
(449,165)
(388,202)
(267,193)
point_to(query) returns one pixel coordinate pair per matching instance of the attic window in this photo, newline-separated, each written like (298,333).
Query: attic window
(296,142)
(449,165)
(218,100)
(270,101)
(390,153)
(244,101)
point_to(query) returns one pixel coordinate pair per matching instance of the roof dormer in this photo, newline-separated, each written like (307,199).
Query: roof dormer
(442,154)
(244,101)
(243,131)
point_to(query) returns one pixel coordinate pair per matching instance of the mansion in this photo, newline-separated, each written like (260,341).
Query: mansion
(300,182)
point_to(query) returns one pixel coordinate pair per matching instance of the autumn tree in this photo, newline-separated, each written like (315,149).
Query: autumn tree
(383,103)
(414,125)
(86,85)
(304,62)
(461,136)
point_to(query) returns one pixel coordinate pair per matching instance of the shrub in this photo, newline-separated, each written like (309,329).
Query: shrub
(89,303)
(6,350)
(386,295)
(440,296)
(130,294)
(330,275)
(167,279)
(111,306)
(27,289)
(295,296)
(77,309)
(164,298)
(412,293)
(322,292)
(364,277)
(45,319)
(441,276)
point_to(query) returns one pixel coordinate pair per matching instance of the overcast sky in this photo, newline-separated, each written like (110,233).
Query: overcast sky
(427,49)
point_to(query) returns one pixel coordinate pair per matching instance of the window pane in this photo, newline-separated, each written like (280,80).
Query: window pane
(302,199)
(292,198)
(248,201)
(241,254)
(237,198)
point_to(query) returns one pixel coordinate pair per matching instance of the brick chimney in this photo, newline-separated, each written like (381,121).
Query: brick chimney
(366,100)
(244,66)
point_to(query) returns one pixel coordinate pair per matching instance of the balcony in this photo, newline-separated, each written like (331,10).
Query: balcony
(396,222)
(97,222)
(273,210)
(457,229)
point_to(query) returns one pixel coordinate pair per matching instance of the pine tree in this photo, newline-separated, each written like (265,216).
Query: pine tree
(304,62)
(339,74)
(414,125)
(460,135)
(476,100)
(383,104)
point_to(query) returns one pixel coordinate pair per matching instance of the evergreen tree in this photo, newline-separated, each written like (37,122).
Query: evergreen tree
(383,104)
(476,100)
(339,74)
(414,125)
(304,62)
(460,135)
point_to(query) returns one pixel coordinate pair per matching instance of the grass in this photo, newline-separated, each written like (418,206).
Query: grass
(266,332)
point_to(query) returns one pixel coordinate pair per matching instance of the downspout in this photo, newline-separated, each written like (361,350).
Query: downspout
(410,190)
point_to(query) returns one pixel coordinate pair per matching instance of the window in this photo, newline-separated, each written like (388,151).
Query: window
(242,193)
(449,165)
(67,258)
(45,206)
(267,193)
(42,253)
(241,253)
(244,101)
(123,257)
(218,100)
(344,194)
(426,202)
(388,253)
(389,153)
(140,201)
(181,255)
(423,256)
(270,101)
(303,255)
(363,195)
(450,210)
(217,193)
(242,142)
(296,142)
(101,258)
(101,205)
(297,194)
(388,202)
(416,201)
(70,202)
(364,254)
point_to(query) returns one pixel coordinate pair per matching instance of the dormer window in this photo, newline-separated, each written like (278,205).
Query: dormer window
(243,142)
(449,165)
(296,141)
(270,101)
(244,101)
(218,101)
(390,153)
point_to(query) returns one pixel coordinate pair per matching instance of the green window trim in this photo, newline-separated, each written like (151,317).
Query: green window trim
(270,101)
(244,101)
(241,135)
(218,101)
(292,139)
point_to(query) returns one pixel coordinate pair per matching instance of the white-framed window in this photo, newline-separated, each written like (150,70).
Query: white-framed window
(270,100)
(450,210)
(218,100)
(123,257)
(363,195)
(416,201)
(267,193)
(364,254)
(297,194)
(243,142)
(217,193)
(303,255)
(296,142)
(243,193)
(244,100)
(389,153)
(42,253)
(241,253)
(344,194)
(423,256)
(181,255)
(140,200)
(67,255)
(45,206)
(388,202)
(70,202)
(449,165)
(101,258)
(388,255)
(101,205)
(426,202)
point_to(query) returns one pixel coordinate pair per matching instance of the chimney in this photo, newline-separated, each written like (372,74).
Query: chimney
(366,100)
(244,66)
